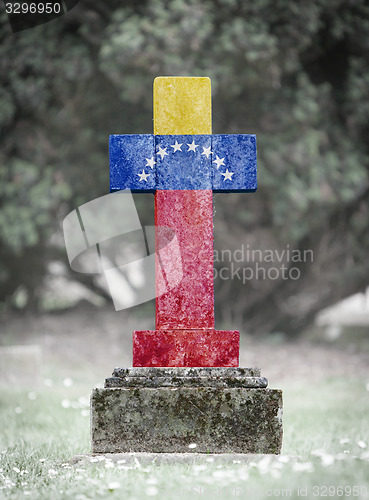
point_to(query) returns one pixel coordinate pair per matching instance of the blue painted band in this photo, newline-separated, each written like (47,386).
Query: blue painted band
(146,162)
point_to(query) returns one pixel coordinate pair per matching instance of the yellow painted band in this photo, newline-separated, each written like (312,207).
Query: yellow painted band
(182,105)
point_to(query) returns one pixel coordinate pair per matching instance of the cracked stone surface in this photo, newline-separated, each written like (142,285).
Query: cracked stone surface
(169,419)
(184,381)
(186,377)
(205,371)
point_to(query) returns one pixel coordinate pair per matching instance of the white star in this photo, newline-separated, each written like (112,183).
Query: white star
(227,175)
(176,147)
(162,152)
(206,152)
(219,161)
(150,162)
(192,146)
(143,176)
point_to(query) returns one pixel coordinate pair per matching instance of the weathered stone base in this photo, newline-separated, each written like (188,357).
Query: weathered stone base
(127,416)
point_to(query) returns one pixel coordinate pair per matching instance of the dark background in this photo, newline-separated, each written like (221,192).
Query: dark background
(294,73)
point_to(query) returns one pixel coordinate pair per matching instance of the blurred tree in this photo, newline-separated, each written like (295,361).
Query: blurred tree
(296,74)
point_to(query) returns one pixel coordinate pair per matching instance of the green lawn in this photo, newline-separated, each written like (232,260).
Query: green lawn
(325,451)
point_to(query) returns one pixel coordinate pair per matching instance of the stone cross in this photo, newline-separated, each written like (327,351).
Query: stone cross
(183,163)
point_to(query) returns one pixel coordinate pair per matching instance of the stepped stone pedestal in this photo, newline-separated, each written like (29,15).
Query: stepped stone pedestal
(165,410)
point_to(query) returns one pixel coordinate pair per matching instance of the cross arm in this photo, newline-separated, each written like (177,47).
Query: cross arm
(132,162)
(222,163)
(234,163)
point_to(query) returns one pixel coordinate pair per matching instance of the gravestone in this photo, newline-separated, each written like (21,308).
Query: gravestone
(185,391)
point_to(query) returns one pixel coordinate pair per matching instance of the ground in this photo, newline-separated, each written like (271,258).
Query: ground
(326,403)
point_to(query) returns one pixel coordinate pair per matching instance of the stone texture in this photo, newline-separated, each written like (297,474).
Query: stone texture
(204,406)
(191,304)
(128,158)
(238,152)
(182,105)
(146,162)
(186,372)
(217,420)
(181,162)
(251,382)
(186,376)
(185,347)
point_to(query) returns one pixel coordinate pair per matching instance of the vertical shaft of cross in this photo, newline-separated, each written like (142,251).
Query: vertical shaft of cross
(183,106)
(184,182)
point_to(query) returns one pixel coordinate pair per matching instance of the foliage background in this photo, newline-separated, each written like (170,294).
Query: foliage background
(294,73)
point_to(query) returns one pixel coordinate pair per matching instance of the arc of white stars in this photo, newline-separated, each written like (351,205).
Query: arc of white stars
(227,175)
(162,152)
(206,152)
(192,146)
(219,161)
(143,176)
(176,147)
(150,162)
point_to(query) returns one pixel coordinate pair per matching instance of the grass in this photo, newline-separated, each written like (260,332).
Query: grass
(325,451)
